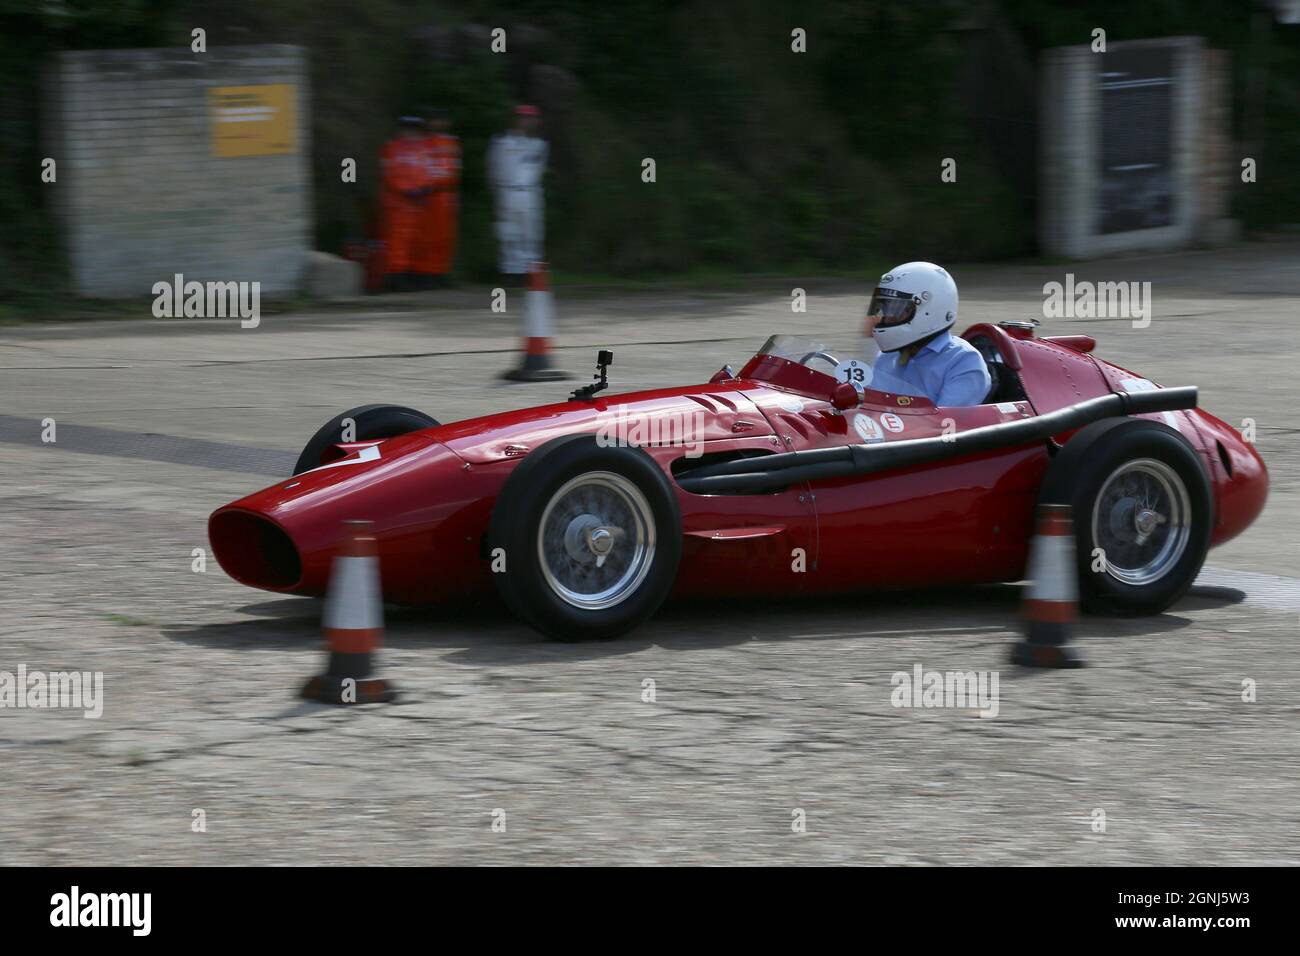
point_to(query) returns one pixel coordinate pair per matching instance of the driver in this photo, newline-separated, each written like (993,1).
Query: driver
(908,317)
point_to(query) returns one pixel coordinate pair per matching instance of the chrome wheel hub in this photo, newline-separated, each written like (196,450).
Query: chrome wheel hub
(587,541)
(1142,521)
(596,540)
(1146,521)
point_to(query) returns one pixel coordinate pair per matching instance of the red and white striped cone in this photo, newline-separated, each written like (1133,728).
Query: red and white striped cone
(538,313)
(354,624)
(1052,605)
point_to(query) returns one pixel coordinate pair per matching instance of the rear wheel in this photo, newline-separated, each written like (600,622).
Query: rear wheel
(591,538)
(1143,513)
(364,423)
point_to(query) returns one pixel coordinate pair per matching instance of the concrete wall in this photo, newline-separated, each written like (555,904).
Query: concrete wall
(1221,163)
(140,194)
(1070,150)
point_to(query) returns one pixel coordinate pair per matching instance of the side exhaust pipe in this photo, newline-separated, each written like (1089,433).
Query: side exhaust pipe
(777,471)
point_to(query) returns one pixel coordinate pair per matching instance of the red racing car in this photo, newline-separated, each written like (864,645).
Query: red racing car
(784,478)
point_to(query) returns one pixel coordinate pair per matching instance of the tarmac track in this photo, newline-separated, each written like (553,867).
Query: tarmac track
(761,709)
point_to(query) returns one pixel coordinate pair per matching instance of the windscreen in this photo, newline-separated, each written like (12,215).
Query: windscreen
(850,359)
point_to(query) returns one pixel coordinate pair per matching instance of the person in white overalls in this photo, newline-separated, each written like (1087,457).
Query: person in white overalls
(516,164)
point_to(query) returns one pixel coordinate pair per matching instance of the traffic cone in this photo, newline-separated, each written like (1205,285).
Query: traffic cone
(538,312)
(1052,604)
(354,624)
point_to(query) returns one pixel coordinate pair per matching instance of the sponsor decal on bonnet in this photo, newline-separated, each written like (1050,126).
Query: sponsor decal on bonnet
(867,428)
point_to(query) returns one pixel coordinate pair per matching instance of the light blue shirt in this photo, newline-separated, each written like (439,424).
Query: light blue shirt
(947,370)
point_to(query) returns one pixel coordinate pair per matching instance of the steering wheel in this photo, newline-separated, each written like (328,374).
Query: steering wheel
(824,356)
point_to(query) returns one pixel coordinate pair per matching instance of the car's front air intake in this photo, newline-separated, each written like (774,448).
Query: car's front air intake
(254,550)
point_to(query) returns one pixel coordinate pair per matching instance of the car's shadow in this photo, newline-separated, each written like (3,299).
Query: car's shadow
(1203,596)
(485,633)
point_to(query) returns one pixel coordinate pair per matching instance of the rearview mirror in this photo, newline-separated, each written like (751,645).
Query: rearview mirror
(847,395)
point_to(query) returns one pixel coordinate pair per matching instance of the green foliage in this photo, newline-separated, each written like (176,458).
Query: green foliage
(31,261)
(1265,69)
(476,95)
(766,160)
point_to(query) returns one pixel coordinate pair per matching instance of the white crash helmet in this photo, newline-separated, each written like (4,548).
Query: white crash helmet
(914,300)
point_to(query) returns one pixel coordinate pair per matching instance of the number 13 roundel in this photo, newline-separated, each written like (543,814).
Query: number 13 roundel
(854,372)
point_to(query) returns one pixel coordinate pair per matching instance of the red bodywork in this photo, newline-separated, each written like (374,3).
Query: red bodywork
(430,493)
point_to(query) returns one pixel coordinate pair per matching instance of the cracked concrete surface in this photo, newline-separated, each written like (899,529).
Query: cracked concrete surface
(760,708)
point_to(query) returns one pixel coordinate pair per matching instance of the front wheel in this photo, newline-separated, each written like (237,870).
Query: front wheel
(363,423)
(1143,513)
(591,538)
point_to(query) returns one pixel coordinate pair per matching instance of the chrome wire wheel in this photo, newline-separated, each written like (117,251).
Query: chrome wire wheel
(1141,519)
(596,540)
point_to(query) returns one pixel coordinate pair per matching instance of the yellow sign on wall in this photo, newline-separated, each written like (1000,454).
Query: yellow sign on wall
(253,120)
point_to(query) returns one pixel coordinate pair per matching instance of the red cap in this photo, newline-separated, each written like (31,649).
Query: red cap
(523,109)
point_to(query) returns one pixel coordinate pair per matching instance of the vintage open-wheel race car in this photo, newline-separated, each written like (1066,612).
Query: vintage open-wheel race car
(782,478)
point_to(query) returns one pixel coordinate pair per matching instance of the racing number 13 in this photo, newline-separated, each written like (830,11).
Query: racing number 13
(855,372)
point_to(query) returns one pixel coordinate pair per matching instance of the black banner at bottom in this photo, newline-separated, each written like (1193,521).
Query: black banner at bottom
(335,904)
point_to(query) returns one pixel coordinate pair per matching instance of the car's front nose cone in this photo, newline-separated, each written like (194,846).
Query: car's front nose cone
(254,550)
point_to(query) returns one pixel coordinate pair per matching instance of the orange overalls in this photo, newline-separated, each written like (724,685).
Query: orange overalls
(438,242)
(406,169)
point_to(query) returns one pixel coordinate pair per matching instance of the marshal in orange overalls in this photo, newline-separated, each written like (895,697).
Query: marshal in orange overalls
(407,181)
(442,213)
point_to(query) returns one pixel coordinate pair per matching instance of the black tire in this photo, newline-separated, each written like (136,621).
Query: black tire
(1128,461)
(576,466)
(372,422)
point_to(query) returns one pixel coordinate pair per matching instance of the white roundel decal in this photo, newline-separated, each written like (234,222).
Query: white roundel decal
(854,372)
(892,422)
(791,404)
(867,428)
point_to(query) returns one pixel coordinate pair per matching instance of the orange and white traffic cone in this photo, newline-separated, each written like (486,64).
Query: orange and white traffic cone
(1052,605)
(354,624)
(538,313)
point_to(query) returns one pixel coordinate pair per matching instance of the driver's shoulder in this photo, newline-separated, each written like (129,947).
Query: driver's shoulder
(958,346)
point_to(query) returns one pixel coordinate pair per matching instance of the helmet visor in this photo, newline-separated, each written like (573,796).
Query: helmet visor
(893,307)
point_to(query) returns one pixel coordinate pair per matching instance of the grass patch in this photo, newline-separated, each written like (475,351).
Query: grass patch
(126,620)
